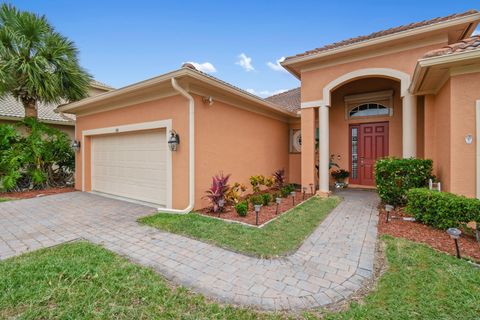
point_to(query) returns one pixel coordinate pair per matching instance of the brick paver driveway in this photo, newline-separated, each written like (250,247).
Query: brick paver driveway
(330,265)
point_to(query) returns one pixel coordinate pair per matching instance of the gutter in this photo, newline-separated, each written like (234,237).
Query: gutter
(191,160)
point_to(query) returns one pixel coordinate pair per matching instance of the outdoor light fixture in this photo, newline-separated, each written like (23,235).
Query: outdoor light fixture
(221,204)
(277,201)
(311,189)
(174,140)
(304,191)
(455,233)
(293,197)
(388,209)
(257,211)
(76,145)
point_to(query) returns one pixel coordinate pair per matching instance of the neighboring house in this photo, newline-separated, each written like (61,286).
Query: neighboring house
(12,111)
(411,91)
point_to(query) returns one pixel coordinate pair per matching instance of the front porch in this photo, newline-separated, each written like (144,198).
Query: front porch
(364,115)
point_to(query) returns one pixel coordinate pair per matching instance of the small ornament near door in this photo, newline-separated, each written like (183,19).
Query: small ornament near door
(296,141)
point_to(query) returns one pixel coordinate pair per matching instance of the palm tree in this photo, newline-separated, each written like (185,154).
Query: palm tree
(37,64)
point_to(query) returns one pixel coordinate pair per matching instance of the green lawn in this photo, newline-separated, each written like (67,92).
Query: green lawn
(84,281)
(420,283)
(4,199)
(279,237)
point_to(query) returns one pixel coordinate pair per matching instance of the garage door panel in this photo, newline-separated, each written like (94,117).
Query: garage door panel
(132,165)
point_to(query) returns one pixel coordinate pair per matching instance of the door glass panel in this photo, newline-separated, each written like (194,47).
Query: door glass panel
(354,172)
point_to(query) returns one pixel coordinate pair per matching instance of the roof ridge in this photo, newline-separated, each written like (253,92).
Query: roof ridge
(383,32)
(281,93)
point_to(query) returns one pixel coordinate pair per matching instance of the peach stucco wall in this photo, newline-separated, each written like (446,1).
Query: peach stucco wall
(440,143)
(464,94)
(449,117)
(313,81)
(295,162)
(227,139)
(308,125)
(237,142)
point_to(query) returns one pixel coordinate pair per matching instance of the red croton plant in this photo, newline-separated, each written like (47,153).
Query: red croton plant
(216,193)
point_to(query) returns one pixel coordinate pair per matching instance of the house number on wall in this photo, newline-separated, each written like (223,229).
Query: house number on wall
(469,139)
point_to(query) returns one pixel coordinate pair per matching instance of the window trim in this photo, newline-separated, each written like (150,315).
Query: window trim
(384,98)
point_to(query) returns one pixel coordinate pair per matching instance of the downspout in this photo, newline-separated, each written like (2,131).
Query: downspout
(191,160)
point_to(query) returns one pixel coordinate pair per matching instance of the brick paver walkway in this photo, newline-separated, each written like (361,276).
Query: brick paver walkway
(331,264)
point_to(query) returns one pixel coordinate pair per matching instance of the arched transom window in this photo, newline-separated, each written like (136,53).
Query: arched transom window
(369,110)
(372,104)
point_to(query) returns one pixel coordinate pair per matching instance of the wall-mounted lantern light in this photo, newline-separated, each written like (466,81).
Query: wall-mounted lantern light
(76,145)
(174,140)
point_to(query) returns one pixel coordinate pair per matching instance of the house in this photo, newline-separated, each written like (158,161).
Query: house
(409,91)
(11,111)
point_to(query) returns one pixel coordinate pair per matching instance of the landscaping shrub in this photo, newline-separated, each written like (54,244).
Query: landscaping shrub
(256,200)
(340,175)
(217,190)
(394,177)
(234,193)
(242,208)
(260,181)
(279,178)
(442,209)
(276,195)
(285,191)
(266,198)
(34,155)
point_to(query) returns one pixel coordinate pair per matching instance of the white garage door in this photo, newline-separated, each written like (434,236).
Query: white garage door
(131,165)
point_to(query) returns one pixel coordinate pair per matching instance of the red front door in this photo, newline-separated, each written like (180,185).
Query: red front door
(368,142)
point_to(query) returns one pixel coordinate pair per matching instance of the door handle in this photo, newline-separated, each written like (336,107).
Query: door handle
(362,162)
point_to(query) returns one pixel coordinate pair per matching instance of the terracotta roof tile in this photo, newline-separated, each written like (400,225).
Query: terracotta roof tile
(469,44)
(383,33)
(290,100)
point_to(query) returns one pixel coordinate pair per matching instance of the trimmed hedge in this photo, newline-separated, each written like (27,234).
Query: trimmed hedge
(394,177)
(442,209)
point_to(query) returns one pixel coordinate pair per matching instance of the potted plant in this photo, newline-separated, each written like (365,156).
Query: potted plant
(340,176)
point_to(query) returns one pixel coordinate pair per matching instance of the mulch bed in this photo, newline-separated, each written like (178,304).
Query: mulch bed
(435,238)
(34,193)
(266,213)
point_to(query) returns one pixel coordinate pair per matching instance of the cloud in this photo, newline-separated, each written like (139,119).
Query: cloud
(204,67)
(277,66)
(476,32)
(265,93)
(245,62)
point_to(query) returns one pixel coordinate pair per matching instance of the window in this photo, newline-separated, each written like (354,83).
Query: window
(371,104)
(368,110)
(354,151)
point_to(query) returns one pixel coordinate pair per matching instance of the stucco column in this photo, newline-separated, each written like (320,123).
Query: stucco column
(324,150)
(409,126)
(308,147)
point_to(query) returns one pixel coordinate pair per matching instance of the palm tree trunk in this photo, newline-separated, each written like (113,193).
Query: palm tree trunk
(30,106)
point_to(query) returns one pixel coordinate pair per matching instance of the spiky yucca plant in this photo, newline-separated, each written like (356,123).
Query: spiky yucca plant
(37,64)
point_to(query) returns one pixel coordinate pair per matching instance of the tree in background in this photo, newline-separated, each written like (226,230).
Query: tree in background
(37,64)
